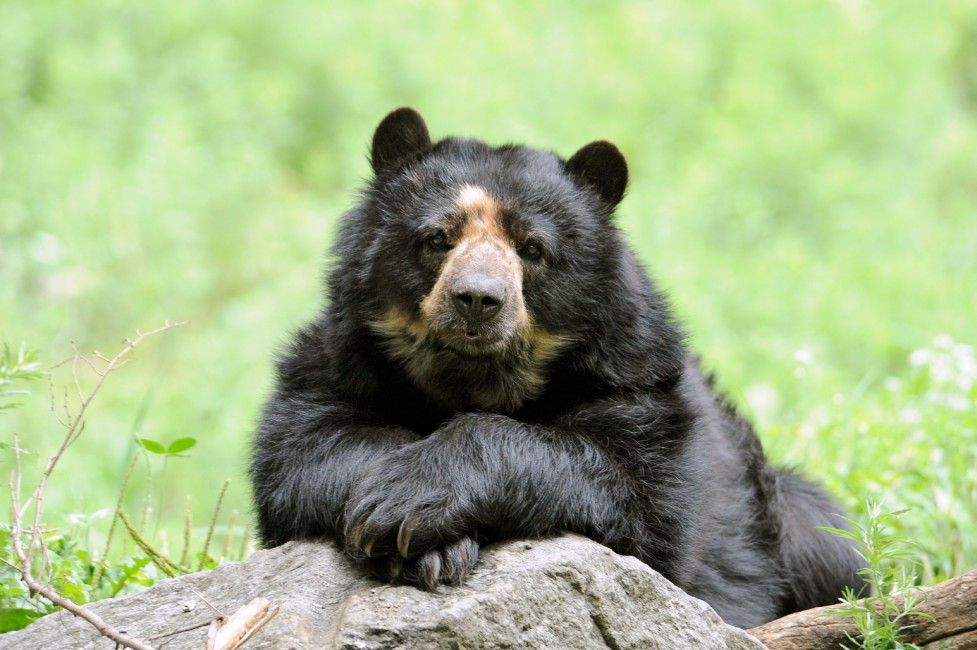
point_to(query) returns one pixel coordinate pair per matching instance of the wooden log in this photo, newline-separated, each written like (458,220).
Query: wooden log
(951,604)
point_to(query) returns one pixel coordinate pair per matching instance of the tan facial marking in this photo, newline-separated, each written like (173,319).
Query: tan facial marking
(545,345)
(482,241)
(395,323)
(482,214)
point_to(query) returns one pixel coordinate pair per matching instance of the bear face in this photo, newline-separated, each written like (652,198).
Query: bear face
(485,262)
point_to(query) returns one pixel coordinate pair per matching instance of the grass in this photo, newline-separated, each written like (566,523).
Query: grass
(804,186)
(883,611)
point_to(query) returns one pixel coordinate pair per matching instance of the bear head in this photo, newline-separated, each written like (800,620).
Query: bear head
(476,265)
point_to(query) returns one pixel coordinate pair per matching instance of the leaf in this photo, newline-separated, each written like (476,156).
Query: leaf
(74,591)
(151,446)
(131,571)
(180,444)
(16,618)
(840,532)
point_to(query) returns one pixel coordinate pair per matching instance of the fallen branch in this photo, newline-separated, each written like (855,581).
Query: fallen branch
(951,607)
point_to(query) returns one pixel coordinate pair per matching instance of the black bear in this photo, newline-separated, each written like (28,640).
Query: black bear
(492,362)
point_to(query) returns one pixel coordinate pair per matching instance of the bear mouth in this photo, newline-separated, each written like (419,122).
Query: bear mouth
(473,343)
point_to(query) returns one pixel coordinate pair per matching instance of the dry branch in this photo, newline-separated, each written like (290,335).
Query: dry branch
(97,621)
(74,424)
(232,632)
(951,604)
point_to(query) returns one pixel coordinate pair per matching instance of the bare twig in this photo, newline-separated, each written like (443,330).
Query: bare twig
(209,604)
(232,632)
(97,622)
(189,628)
(37,587)
(74,424)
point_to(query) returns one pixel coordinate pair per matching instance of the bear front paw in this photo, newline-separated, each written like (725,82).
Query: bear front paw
(397,510)
(449,565)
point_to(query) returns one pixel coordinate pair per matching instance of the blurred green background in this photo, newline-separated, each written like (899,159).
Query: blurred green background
(804,185)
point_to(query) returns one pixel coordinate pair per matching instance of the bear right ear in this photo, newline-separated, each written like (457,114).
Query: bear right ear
(601,166)
(400,135)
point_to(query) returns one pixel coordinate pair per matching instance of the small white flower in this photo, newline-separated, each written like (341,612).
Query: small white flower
(941,370)
(919,357)
(943,341)
(804,356)
(963,351)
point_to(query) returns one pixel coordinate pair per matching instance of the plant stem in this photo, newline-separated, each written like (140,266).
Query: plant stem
(210,528)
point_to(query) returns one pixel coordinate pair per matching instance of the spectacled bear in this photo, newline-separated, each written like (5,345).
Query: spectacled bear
(492,362)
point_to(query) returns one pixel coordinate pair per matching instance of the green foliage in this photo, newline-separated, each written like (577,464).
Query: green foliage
(173,450)
(20,364)
(883,611)
(910,438)
(67,561)
(180,445)
(75,571)
(152,446)
(68,567)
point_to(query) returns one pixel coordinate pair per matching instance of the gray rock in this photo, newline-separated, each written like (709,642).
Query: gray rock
(567,592)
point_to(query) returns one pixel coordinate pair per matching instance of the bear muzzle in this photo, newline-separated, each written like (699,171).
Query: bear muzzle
(478,298)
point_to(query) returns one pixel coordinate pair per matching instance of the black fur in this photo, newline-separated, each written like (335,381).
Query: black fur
(626,442)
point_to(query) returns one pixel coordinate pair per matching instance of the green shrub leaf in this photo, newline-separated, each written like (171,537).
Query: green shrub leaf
(16,618)
(181,444)
(151,446)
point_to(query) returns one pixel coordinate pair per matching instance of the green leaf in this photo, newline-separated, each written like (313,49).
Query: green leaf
(840,532)
(151,446)
(180,444)
(16,618)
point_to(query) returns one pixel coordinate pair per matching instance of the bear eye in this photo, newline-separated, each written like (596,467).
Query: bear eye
(437,241)
(532,251)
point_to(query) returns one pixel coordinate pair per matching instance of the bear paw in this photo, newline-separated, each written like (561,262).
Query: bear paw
(449,565)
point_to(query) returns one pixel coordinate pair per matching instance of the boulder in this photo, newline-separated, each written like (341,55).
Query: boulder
(567,592)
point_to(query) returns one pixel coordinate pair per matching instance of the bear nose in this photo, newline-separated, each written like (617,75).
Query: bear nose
(479,299)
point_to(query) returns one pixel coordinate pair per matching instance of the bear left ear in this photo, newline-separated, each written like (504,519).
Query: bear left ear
(602,166)
(399,136)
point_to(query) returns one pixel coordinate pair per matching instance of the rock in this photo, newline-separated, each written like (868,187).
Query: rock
(567,592)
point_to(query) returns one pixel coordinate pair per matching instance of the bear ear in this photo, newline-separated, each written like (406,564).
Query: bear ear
(601,166)
(400,135)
